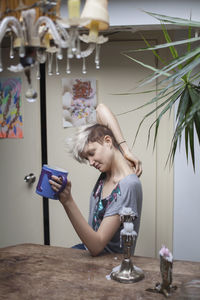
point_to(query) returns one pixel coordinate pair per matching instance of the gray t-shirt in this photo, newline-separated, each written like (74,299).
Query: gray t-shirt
(127,193)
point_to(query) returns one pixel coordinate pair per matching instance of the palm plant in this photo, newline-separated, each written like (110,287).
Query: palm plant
(176,82)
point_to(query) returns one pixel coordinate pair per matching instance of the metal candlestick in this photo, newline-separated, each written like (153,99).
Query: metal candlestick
(166,264)
(127,272)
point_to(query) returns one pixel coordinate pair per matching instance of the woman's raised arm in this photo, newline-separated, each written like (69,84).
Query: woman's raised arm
(106,117)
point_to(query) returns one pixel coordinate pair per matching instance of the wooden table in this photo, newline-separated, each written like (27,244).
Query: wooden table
(44,272)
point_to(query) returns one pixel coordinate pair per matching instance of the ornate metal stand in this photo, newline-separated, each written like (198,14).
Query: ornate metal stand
(127,272)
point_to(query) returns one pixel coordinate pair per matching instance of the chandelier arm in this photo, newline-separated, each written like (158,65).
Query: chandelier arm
(14,24)
(13,29)
(88,51)
(63,43)
(64,32)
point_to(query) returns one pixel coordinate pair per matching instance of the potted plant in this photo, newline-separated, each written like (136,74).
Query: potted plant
(176,82)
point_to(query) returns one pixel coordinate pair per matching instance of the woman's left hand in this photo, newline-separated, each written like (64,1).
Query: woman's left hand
(135,162)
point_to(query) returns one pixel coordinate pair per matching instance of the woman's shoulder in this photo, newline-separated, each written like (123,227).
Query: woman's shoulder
(130,178)
(130,181)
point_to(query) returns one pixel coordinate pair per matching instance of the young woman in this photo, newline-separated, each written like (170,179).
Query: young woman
(103,146)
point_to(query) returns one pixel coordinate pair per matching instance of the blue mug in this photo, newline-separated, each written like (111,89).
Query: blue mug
(44,188)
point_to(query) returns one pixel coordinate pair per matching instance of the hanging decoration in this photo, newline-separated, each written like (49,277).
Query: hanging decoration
(39,33)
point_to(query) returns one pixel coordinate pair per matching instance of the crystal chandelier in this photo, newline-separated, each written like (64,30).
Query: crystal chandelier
(39,34)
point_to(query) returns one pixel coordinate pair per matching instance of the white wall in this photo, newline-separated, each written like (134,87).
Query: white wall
(134,10)
(186,238)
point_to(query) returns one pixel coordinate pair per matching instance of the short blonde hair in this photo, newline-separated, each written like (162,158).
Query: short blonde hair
(86,134)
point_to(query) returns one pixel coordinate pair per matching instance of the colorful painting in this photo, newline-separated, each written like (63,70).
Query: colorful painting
(79,101)
(10,104)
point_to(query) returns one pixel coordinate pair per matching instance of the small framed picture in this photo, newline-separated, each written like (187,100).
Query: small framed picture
(79,101)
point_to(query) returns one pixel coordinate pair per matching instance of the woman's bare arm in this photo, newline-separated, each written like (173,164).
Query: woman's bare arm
(94,241)
(106,117)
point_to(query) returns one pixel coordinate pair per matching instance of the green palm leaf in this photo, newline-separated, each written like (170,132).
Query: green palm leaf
(168,107)
(185,70)
(195,98)
(154,51)
(172,100)
(165,45)
(177,21)
(187,124)
(168,39)
(172,65)
(179,75)
(147,66)
(155,99)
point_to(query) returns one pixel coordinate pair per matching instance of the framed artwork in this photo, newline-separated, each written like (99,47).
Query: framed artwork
(10,108)
(79,101)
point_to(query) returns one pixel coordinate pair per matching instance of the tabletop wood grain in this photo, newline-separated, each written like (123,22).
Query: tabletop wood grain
(31,271)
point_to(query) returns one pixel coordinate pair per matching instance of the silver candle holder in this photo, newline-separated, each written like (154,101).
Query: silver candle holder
(166,264)
(127,272)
